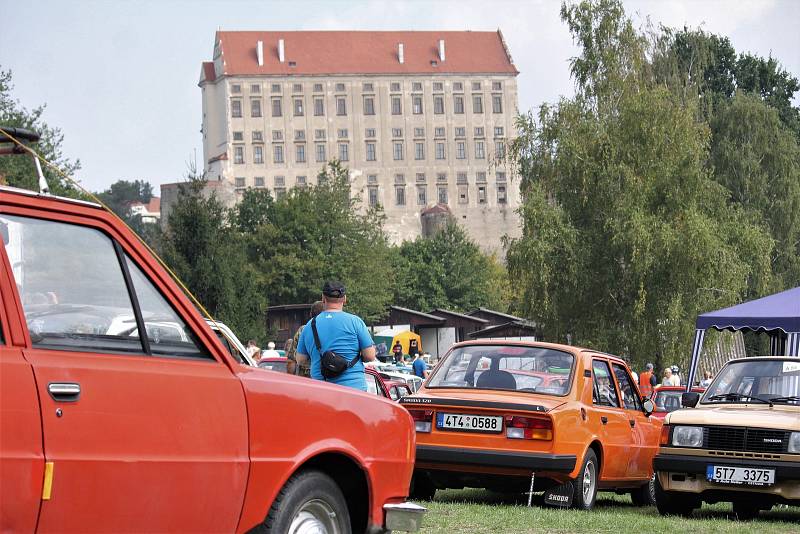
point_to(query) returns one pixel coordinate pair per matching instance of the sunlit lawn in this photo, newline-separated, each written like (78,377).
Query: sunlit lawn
(474,510)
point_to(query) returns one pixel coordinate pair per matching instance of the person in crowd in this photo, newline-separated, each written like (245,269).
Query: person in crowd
(670,379)
(707,378)
(340,332)
(413,347)
(397,352)
(381,352)
(647,380)
(252,349)
(676,372)
(270,352)
(419,366)
(292,366)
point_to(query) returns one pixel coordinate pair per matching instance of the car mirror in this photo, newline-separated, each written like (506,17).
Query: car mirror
(689,399)
(648,406)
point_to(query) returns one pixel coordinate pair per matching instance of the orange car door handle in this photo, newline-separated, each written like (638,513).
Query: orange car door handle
(633,423)
(64,391)
(604,419)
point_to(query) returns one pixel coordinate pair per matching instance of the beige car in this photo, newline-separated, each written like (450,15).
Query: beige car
(739,444)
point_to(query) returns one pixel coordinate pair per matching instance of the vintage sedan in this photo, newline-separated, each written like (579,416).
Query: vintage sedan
(740,444)
(507,415)
(157,427)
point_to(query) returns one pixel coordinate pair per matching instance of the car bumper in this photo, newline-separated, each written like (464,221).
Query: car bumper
(687,473)
(556,463)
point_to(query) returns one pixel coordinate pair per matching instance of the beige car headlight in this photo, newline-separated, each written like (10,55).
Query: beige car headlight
(794,442)
(687,436)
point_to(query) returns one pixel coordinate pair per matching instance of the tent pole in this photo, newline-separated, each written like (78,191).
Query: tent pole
(699,335)
(793,344)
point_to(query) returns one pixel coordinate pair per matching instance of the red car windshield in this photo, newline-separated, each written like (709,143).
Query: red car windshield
(503,367)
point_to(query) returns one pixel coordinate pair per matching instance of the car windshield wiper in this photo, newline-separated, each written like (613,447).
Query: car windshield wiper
(738,396)
(787,399)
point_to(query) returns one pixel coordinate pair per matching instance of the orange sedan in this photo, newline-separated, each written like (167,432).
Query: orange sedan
(510,415)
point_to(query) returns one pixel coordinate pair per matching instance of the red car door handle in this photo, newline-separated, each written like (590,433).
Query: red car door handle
(64,391)
(604,419)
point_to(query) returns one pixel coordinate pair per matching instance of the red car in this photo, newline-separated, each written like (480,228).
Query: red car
(668,399)
(106,429)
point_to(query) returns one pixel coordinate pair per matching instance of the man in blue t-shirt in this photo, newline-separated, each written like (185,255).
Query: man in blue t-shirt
(340,332)
(419,367)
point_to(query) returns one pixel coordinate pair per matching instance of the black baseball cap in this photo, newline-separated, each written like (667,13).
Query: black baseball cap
(333,289)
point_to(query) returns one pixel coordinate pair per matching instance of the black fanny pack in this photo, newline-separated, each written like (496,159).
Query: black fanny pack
(331,363)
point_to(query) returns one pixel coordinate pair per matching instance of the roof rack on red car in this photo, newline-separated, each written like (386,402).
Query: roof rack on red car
(10,139)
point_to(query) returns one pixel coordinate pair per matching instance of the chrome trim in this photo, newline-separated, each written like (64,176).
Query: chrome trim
(406,516)
(64,388)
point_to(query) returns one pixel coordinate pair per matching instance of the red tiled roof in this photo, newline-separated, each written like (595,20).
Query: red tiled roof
(208,71)
(154,206)
(218,157)
(365,52)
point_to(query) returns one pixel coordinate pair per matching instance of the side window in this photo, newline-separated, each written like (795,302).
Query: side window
(630,397)
(393,393)
(72,286)
(604,392)
(167,334)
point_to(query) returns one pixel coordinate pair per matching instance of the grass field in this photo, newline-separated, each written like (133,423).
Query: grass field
(479,511)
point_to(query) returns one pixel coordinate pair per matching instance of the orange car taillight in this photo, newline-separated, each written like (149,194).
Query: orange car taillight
(423,419)
(665,435)
(518,427)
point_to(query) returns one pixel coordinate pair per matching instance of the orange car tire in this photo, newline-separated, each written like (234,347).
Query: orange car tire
(586,483)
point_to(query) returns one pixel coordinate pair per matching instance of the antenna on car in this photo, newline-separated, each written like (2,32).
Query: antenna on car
(7,135)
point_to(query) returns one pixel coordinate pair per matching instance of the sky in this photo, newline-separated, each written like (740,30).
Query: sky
(119,77)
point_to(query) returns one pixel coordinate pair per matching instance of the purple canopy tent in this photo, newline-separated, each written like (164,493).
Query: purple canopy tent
(778,315)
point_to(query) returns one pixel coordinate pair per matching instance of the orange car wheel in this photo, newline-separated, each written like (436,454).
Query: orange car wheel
(586,483)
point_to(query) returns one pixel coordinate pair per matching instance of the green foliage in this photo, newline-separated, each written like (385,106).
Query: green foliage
(757,159)
(122,193)
(209,257)
(19,170)
(449,271)
(313,234)
(627,236)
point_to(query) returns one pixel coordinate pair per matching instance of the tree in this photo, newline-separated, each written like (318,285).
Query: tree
(309,235)
(123,193)
(209,257)
(626,236)
(757,158)
(448,270)
(19,171)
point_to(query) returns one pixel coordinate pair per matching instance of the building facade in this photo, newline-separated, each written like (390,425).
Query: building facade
(421,119)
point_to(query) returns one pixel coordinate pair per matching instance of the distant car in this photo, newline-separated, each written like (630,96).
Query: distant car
(231,342)
(668,399)
(274,364)
(375,383)
(493,413)
(398,389)
(388,372)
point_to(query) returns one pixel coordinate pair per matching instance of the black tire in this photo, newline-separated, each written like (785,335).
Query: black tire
(309,497)
(422,487)
(673,502)
(644,495)
(585,492)
(745,511)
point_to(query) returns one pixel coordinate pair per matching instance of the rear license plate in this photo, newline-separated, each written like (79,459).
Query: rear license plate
(469,423)
(752,476)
